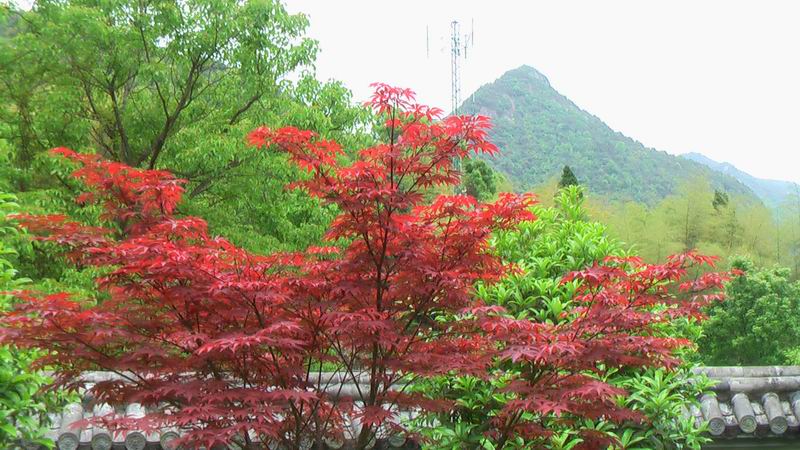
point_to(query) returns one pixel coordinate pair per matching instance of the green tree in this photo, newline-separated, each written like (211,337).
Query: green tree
(758,323)
(173,86)
(721,199)
(567,178)
(721,225)
(138,73)
(789,223)
(690,211)
(727,230)
(480,180)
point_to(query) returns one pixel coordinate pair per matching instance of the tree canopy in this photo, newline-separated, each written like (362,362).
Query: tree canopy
(567,178)
(480,180)
(758,324)
(173,86)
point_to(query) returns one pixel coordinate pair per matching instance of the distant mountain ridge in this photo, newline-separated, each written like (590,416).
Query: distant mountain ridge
(771,192)
(538,131)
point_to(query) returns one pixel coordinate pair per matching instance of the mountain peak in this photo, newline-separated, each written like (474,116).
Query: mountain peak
(527,72)
(539,131)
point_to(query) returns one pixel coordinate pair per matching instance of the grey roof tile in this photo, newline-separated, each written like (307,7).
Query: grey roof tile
(68,437)
(753,402)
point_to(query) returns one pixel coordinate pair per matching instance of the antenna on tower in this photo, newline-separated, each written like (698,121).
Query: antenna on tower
(458,43)
(471,43)
(459,47)
(455,75)
(469,39)
(427,42)
(455,62)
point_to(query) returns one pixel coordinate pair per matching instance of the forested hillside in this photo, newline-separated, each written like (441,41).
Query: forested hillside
(540,131)
(772,192)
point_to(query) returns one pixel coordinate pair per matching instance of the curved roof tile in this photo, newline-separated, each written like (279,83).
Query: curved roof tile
(752,402)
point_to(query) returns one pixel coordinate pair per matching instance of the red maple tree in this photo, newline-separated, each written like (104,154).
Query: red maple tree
(230,346)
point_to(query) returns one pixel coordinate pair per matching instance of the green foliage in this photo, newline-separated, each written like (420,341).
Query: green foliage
(173,86)
(157,70)
(540,131)
(560,241)
(721,199)
(662,396)
(785,233)
(23,408)
(567,178)
(758,323)
(479,180)
(701,217)
(241,191)
(689,213)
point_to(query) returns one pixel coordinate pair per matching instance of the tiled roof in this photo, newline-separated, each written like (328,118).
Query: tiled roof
(751,402)
(67,437)
(745,402)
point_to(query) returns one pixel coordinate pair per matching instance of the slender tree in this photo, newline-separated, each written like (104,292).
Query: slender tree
(567,178)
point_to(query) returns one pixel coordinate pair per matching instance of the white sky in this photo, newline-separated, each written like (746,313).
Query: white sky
(717,77)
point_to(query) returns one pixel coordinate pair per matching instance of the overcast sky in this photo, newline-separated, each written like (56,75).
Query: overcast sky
(717,77)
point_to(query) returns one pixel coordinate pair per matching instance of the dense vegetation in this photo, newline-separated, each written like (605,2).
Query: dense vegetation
(229,342)
(561,240)
(541,131)
(173,87)
(22,408)
(760,315)
(758,324)
(698,216)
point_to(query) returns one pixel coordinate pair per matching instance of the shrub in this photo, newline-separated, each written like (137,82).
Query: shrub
(759,324)
(23,406)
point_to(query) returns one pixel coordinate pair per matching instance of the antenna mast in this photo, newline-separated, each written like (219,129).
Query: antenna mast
(459,46)
(458,43)
(427,43)
(455,62)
